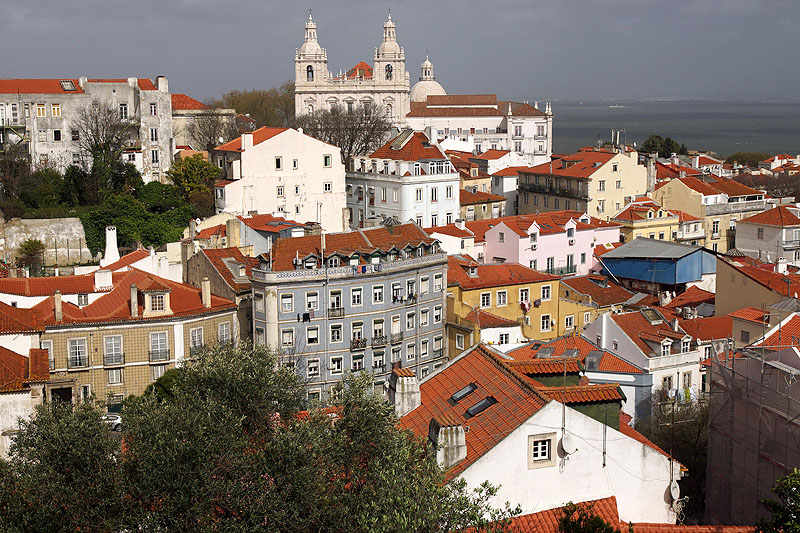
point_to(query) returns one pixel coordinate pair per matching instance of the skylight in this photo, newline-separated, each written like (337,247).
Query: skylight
(67,85)
(463,393)
(481,406)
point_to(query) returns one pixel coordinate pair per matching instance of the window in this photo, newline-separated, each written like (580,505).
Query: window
(434,220)
(619,184)
(48,345)
(312,335)
(312,301)
(715,227)
(153,109)
(760,233)
(309,73)
(437,314)
(287,338)
(532,264)
(502,298)
(503,338)
(665,349)
(295,164)
(666,383)
(518,146)
(154,157)
(685,345)
(661,235)
(41,110)
(411,352)
(158,371)
(434,194)
(545,293)
(419,195)
(112,350)
(601,206)
(583,258)
(157,302)
(77,353)
(615,345)
(551,263)
(377,294)
(687,380)
(423,348)
(437,283)
(501,236)
(326,161)
(57,136)
(195,337)
(569,321)
(459,341)
(356,296)
(336,365)
(83,299)
(423,317)
(601,186)
(287,303)
(159,351)
(524,295)
(42,136)
(153,135)
(448,192)
(358,362)
(76,135)
(123,111)
(410,321)
(587,317)
(745,336)
(486,300)
(545,323)
(224,332)
(312,368)
(114,376)
(540,451)
(278,163)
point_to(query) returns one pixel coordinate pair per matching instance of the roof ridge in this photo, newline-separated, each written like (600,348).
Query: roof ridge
(513,374)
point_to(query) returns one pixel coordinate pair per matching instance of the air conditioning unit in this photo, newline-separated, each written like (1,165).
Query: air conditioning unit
(537,302)
(571,242)
(534,246)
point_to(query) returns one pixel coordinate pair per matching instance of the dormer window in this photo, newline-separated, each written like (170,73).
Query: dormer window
(665,348)
(157,302)
(534,236)
(570,232)
(334,261)
(649,214)
(417,169)
(473,272)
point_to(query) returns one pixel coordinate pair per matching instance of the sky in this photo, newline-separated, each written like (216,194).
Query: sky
(544,50)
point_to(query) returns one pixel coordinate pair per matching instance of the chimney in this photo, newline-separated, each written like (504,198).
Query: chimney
(134,301)
(404,391)
(59,312)
(102,279)
(205,289)
(82,81)
(247,140)
(162,84)
(781,265)
(111,254)
(450,440)
(674,324)
(187,251)
(192,228)
(232,231)
(460,223)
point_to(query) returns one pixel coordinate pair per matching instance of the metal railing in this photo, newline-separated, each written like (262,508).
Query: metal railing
(396,337)
(437,352)
(735,207)
(560,271)
(336,312)
(81,361)
(358,344)
(113,359)
(790,244)
(379,340)
(159,355)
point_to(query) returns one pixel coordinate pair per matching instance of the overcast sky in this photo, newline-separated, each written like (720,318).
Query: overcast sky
(519,49)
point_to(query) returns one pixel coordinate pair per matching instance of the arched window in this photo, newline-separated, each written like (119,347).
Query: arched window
(310,108)
(388,72)
(388,110)
(309,73)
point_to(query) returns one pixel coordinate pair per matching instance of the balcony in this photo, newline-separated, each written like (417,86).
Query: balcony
(736,207)
(81,361)
(715,235)
(13,123)
(358,344)
(562,271)
(335,312)
(791,244)
(159,355)
(437,352)
(113,359)
(379,340)
(540,137)
(396,337)
(378,368)
(564,192)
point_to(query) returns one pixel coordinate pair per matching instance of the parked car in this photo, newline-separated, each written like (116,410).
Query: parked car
(114,421)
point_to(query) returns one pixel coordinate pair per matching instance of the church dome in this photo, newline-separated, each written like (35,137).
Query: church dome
(389,46)
(310,46)
(424,88)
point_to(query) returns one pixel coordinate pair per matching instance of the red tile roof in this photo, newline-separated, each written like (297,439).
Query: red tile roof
(547,521)
(259,136)
(181,102)
(517,401)
(451,230)
(691,297)
(671,170)
(47,286)
(18,320)
(37,86)
(207,233)
(114,306)
(145,84)
(783,334)
(578,165)
(509,171)
(284,251)
(777,216)
(556,348)
(217,256)
(639,330)
(711,328)
(478,197)
(502,274)
(268,223)
(362,69)
(127,260)
(763,274)
(466,105)
(602,290)
(17,371)
(550,365)
(751,314)
(578,394)
(461,99)
(673,528)
(610,362)
(712,185)
(601,249)
(493,154)
(416,148)
(489,320)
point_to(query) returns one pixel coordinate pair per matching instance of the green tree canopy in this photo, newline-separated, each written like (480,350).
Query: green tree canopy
(785,510)
(665,147)
(271,107)
(194,176)
(751,159)
(581,518)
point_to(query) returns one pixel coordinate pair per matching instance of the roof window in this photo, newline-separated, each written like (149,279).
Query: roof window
(480,407)
(463,393)
(67,85)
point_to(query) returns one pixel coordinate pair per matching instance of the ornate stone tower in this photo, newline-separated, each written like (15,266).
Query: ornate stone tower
(310,67)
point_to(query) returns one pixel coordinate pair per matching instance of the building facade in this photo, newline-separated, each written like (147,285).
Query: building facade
(40,116)
(282,171)
(771,235)
(645,218)
(345,302)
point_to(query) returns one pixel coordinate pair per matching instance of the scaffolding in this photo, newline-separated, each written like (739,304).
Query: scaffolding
(754,429)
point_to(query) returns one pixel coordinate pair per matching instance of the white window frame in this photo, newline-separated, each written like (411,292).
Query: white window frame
(546,293)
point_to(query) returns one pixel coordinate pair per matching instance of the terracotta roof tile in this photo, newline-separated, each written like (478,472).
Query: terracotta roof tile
(268,223)
(777,216)
(488,320)
(639,329)
(259,136)
(493,154)
(418,147)
(38,86)
(713,185)
(451,230)
(182,102)
(691,297)
(478,197)
(19,320)
(497,275)
(550,365)
(48,285)
(603,291)
(751,314)
(579,394)
(547,521)
(207,233)
(578,165)
(601,249)
(217,256)
(762,273)
(127,260)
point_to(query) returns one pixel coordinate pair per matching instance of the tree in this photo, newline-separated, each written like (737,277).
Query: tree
(581,518)
(682,430)
(30,253)
(786,509)
(272,107)
(356,132)
(751,159)
(194,175)
(665,147)
(210,129)
(62,473)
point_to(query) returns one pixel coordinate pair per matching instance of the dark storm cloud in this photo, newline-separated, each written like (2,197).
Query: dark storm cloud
(519,49)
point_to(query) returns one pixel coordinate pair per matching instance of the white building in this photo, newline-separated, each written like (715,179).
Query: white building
(771,235)
(386,83)
(408,178)
(282,170)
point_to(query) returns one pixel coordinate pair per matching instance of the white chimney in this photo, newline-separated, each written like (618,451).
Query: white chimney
(460,223)
(404,391)
(102,279)
(247,140)
(205,289)
(58,310)
(111,255)
(781,265)
(450,439)
(134,301)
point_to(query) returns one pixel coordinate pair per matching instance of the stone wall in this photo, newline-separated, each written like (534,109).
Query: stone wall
(63,238)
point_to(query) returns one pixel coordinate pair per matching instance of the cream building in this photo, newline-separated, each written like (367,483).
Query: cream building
(385,83)
(281,170)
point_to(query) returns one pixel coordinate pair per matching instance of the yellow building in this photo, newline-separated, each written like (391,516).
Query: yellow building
(128,334)
(645,218)
(720,202)
(510,292)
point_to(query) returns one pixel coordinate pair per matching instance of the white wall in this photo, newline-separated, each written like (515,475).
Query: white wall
(492,335)
(636,474)
(15,405)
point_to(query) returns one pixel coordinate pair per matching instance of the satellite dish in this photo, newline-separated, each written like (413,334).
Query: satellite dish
(567,444)
(675,490)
